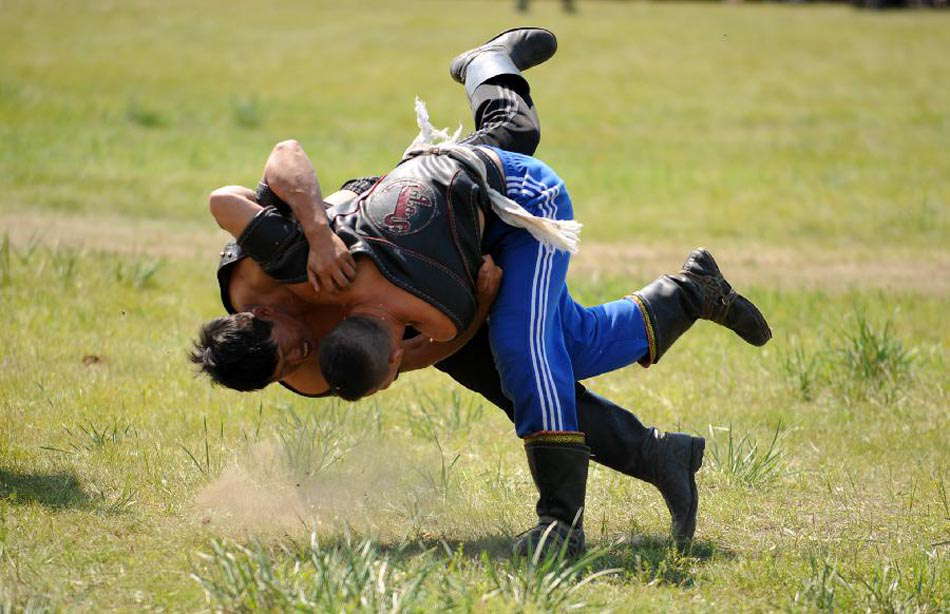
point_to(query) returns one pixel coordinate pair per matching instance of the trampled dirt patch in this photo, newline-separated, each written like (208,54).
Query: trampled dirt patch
(831,269)
(115,234)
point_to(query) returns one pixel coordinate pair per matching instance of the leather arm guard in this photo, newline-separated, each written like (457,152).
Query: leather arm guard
(360,184)
(278,245)
(267,198)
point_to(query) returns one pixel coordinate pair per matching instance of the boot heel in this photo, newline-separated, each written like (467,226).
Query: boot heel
(697,447)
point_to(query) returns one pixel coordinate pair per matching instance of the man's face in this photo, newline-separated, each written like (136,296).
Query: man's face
(295,344)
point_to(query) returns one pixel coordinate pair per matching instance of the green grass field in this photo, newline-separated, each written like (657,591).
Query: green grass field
(805,145)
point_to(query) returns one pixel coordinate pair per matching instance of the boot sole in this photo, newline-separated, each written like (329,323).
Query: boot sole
(509,30)
(497,36)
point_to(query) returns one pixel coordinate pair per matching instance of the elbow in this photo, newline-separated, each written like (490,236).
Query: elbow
(288,145)
(282,156)
(218,202)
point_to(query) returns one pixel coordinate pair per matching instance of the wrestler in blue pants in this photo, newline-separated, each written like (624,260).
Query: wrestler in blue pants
(542,340)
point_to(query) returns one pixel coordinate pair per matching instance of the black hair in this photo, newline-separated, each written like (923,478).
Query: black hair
(354,356)
(237,351)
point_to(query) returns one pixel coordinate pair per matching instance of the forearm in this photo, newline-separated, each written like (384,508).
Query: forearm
(239,190)
(291,177)
(420,352)
(233,207)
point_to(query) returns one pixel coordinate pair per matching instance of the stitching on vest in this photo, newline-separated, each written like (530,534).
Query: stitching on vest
(423,258)
(417,291)
(450,213)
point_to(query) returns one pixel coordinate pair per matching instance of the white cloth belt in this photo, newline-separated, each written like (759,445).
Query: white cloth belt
(559,234)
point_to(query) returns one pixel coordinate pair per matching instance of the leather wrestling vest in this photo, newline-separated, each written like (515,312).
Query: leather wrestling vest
(419,224)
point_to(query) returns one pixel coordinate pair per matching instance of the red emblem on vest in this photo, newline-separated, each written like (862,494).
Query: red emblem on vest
(403,207)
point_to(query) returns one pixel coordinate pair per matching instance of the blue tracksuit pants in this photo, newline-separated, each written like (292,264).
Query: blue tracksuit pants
(542,340)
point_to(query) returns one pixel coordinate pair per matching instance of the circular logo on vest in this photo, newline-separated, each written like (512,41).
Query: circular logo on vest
(402,207)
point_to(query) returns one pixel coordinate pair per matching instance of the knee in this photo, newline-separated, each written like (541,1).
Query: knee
(526,141)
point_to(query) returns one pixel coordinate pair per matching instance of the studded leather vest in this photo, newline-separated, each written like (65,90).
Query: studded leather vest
(419,224)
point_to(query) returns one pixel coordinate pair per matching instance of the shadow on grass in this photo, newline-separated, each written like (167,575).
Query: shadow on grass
(54,490)
(649,558)
(654,559)
(498,547)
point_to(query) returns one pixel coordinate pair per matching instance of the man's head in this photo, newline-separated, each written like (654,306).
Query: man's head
(249,350)
(359,357)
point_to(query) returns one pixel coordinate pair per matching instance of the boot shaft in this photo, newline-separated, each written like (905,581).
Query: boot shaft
(670,304)
(558,465)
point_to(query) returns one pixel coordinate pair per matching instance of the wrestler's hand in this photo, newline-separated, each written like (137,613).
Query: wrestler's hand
(330,266)
(489,280)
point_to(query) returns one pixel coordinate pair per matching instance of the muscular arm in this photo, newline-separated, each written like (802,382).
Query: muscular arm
(291,176)
(233,207)
(420,351)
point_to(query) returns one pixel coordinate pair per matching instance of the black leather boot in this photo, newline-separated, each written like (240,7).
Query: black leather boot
(558,464)
(669,461)
(699,291)
(508,53)
(617,439)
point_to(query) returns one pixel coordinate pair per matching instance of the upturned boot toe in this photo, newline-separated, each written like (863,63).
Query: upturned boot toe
(671,304)
(723,305)
(507,53)
(748,322)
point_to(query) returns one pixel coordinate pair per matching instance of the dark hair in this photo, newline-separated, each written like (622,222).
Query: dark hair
(236,351)
(354,356)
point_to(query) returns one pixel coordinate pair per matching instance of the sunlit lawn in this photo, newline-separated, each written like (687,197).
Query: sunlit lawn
(127,483)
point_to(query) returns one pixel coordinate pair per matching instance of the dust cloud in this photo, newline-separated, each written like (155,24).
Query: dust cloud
(377,488)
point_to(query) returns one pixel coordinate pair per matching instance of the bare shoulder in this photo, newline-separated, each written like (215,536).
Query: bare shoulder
(250,285)
(436,325)
(372,284)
